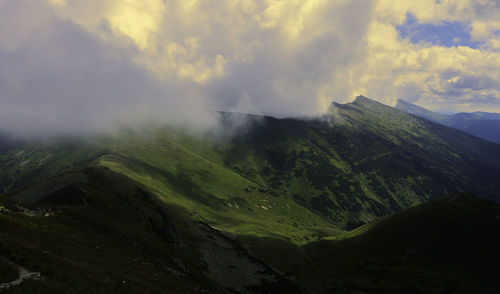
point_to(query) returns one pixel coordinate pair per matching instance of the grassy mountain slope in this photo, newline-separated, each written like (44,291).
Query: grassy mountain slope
(194,179)
(362,161)
(297,179)
(41,159)
(481,124)
(103,233)
(444,246)
(164,210)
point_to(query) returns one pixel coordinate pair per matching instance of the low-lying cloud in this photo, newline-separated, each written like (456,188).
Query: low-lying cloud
(55,77)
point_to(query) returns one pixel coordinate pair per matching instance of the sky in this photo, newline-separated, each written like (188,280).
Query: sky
(84,65)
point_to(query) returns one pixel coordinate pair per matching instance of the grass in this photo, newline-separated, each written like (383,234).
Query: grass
(107,247)
(218,195)
(125,240)
(445,246)
(309,201)
(282,177)
(129,239)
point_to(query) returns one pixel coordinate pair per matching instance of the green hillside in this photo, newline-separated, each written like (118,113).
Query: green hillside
(362,161)
(443,246)
(103,233)
(100,232)
(163,209)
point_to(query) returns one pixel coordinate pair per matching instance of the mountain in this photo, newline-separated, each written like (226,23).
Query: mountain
(443,246)
(422,112)
(361,161)
(111,236)
(96,231)
(481,124)
(164,209)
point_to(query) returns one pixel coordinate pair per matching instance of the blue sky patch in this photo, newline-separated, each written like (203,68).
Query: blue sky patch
(447,34)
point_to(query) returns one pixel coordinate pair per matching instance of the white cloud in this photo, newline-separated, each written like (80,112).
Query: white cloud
(57,77)
(432,75)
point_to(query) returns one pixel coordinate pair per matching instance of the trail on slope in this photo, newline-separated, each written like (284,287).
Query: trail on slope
(24,274)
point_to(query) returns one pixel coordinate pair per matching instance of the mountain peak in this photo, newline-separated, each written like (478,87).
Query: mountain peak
(364,104)
(372,105)
(362,99)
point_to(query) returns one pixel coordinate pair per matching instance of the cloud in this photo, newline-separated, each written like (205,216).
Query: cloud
(84,66)
(57,77)
(449,77)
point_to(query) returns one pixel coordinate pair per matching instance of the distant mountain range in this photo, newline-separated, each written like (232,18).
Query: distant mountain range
(349,202)
(481,124)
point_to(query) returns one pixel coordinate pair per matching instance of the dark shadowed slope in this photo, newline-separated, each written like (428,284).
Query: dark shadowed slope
(120,238)
(96,231)
(481,124)
(450,245)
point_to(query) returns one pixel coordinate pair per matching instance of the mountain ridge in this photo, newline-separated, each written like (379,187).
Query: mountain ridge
(369,161)
(266,207)
(485,125)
